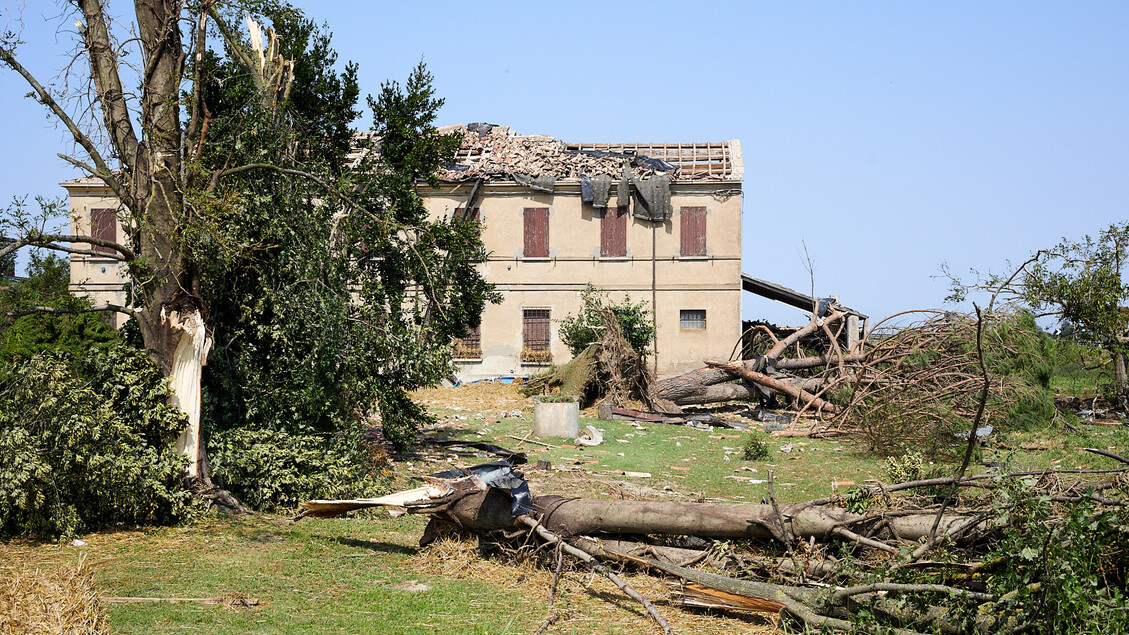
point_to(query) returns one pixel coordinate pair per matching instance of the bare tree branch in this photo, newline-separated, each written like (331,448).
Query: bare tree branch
(107,82)
(47,241)
(103,172)
(97,308)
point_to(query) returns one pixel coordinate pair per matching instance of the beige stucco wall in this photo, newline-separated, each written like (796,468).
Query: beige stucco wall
(671,283)
(652,270)
(100,278)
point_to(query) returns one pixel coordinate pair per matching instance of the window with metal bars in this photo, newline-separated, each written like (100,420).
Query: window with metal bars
(104,226)
(692,318)
(535,336)
(469,346)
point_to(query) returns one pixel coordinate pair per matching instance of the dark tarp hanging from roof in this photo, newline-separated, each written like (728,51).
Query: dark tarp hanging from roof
(652,198)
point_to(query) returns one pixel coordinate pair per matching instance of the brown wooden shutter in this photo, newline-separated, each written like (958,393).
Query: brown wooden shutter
(462,213)
(693,231)
(104,226)
(535,334)
(537,232)
(613,232)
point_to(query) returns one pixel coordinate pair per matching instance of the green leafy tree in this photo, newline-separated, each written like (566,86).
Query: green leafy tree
(1081,283)
(321,286)
(25,331)
(580,331)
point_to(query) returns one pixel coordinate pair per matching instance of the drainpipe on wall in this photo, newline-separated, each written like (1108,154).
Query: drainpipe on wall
(654,299)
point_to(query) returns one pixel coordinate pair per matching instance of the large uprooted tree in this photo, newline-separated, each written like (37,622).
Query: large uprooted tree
(228,165)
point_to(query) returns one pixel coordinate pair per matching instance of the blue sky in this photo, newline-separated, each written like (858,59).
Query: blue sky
(886,138)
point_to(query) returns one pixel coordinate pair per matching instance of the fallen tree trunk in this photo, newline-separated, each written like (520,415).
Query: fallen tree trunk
(691,390)
(490,510)
(804,397)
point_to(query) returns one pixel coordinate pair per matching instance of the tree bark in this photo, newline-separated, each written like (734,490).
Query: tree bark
(490,510)
(776,385)
(1122,379)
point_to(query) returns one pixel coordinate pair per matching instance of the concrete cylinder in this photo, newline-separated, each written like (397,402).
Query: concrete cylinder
(556,419)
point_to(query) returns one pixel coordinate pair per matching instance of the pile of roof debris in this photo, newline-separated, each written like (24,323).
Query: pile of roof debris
(491,151)
(609,174)
(794,543)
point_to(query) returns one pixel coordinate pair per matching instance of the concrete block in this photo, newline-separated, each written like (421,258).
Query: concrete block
(556,419)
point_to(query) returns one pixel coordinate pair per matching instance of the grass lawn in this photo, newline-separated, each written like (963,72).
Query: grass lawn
(366,575)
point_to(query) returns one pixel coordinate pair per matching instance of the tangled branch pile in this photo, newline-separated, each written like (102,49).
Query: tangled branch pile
(912,389)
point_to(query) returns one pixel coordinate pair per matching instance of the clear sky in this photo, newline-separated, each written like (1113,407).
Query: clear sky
(887,138)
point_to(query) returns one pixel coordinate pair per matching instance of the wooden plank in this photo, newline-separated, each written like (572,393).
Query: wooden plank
(613,232)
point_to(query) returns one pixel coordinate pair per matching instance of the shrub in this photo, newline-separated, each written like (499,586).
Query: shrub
(87,442)
(270,470)
(755,447)
(905,468)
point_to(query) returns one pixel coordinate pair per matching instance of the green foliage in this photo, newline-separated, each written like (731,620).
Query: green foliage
(583,329)
(330,297)
(1081,281)
(271,470)
(87,442)
(1061,573)
(755,447)
(47,285)
(905,468)
(8,262)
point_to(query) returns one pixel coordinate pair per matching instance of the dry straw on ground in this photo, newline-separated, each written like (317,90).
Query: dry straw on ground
(60,600)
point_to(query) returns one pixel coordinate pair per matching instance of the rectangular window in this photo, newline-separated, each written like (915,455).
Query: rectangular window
(692,318)
(537,232)
(613,232)
(469,346)
(462,213)
(693,231)
(535,336)
(104,226)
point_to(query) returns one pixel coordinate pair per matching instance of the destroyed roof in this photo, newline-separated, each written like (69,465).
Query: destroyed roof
(496,153)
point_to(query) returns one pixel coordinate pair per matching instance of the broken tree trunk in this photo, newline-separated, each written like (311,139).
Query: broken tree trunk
(490,510)
(188,361)
(806,398)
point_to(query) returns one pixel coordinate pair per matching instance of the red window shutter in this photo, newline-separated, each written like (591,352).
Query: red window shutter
(537,232)
(693,235)
(103,225)
(462,213)
(613,232)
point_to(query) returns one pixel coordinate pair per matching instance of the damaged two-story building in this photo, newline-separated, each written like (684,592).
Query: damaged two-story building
(652,221)
(659,222)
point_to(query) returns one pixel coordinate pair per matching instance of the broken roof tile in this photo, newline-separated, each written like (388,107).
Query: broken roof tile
(496,153)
